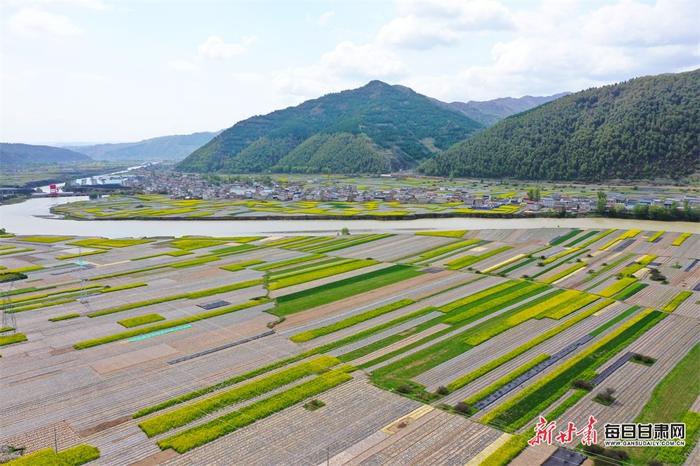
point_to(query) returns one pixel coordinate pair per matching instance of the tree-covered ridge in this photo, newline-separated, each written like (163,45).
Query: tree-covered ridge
(391,127)
(643,128)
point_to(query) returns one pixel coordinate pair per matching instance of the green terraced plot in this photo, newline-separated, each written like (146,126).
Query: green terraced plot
(303,300)
(466,261)
(249,414)
(191,412)
(677,300)
(350,321)
(140,320)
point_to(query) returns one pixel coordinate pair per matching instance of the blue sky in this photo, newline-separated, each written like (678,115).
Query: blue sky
(114,70)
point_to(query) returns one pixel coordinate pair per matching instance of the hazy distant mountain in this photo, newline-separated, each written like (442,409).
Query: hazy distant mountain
(372,129)
(489,112)
(161,148)
(642,128)
(20,155)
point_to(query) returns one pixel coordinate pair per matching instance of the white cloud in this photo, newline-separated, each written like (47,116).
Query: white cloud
(183,65)
(636,24)
(348,65)
(35,21)
(325,18)
(416,33)
(90,4)
(563,45)
(348,59)
(216,48)
(424,24)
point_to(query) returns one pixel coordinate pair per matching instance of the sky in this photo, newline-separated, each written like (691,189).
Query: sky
(125,70)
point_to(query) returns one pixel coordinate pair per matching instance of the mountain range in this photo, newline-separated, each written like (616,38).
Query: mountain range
(646,127)
(175,147)
(372,129)
(20,155)
(489,112)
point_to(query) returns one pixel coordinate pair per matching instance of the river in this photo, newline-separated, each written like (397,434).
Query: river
(33,217)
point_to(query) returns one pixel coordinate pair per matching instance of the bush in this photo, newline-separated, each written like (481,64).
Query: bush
(442,390)
(313,405)
(582,385)
(605,397)
(463,408)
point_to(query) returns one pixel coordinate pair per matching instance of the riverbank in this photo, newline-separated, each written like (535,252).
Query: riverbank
(33,216)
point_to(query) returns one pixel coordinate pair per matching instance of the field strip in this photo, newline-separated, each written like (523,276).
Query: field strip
(399,290)
(478,459)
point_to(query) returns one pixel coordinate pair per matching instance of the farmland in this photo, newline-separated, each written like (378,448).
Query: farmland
(377,348)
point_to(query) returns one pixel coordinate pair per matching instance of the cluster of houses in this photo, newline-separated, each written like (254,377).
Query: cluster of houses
(195,186)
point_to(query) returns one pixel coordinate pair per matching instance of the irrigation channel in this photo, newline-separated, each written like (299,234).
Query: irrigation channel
(33,216)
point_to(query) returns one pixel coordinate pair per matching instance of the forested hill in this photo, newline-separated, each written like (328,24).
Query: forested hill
(175,147)
(643,128)
(373,129)
(22,155)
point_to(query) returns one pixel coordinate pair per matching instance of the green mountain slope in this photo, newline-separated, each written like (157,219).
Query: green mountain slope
(175,147)
(371,129)
(643,128)
(21,155)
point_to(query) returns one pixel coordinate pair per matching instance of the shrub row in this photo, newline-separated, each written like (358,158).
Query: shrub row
(677,300)
(468,260)
(14,338)
(597,237)
(285,263)
(506,379)
(496,301)
(127,286)
(626,235)
(616,287)
(74,456)
(479,295)
(169,324)
(188,295)
(350,321)
(236,266)
(680,239)
(560,239)
(564,273)
(323,294)
(72,315)
(630,291)
(443,234)
(506,452)
(488,367)
(321,272)
(576,303)
(283,362)
(345,243)
(509,261)
(140,320)
(451,247)
(517,411)
(188,413)
(223,425)
(560,254)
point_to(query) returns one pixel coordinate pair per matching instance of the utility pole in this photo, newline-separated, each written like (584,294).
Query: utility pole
(8,317)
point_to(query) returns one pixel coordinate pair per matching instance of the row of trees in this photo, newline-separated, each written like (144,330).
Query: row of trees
(674,211)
